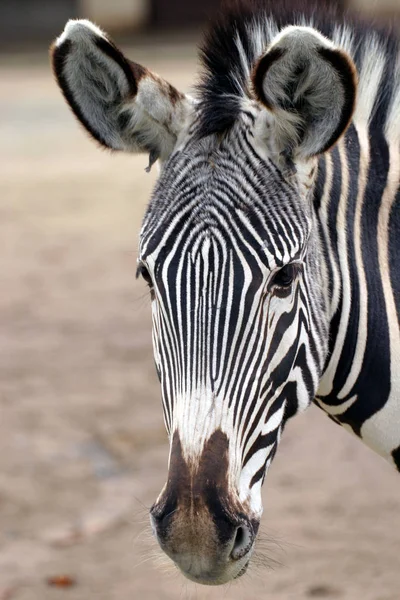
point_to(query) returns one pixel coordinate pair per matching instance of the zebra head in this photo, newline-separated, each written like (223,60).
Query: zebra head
(232,255)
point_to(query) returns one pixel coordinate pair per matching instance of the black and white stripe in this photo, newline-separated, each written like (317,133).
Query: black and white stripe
(271,247)
(224,217)
(231,354)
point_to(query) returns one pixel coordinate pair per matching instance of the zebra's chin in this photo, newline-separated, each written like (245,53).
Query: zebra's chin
(219,576)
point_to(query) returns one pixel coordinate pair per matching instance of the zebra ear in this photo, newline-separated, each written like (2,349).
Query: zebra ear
(122,104)
(309,86)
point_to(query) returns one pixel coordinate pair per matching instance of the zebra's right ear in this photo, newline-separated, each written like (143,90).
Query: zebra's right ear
(123,105)
(309,87)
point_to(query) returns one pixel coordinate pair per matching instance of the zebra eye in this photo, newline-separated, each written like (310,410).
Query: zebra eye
(143,272)
(283,279)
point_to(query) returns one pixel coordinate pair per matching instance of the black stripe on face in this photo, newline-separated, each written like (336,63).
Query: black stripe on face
(257,476)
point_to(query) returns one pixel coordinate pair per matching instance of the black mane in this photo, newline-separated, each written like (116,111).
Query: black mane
(224,77)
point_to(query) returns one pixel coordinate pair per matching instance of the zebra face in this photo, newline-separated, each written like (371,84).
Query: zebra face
(231,252)
(226,248)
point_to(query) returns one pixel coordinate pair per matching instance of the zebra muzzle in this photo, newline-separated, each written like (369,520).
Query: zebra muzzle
(198,523)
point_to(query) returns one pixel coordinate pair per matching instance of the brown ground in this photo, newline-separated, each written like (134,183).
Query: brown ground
(82,445)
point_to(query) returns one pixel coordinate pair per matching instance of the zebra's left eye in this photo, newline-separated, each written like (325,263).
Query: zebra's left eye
(282,280)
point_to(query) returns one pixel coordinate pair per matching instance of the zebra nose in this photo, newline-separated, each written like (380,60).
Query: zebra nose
(198,519)
(242,541)
(235,535)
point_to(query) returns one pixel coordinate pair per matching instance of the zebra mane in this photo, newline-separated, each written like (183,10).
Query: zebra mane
(244,31)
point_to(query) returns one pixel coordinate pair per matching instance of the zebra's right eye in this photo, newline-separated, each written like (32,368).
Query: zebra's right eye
(143,272)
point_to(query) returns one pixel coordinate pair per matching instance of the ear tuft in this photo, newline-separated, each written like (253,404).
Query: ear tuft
(78,29)
(310,88)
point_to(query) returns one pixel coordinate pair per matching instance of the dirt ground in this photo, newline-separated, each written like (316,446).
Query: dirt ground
(83,450)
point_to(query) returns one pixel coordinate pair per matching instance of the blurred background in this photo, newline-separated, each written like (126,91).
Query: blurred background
(83,451)
(24,21)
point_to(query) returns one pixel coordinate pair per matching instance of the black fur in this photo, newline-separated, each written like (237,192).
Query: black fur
(224,81)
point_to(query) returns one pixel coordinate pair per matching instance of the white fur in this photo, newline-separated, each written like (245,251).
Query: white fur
(392,129)
(77,29)
(301,37)
(370,80)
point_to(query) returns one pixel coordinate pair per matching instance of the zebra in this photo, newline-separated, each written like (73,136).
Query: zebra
(269,247)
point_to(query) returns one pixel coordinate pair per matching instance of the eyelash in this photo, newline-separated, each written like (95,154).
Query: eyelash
(283,279)
(144,273)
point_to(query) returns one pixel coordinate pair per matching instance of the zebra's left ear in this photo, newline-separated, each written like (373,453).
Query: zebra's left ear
(310,87)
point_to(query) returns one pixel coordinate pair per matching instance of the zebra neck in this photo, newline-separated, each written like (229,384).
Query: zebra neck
(355,196)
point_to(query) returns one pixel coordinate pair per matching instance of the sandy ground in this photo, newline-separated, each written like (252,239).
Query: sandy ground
(83,450)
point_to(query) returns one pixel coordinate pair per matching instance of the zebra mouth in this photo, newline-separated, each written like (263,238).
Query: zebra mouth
(212,579)
(242,570)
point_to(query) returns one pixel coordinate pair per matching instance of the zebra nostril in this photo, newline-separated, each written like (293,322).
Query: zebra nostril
(160,517)
(242,542)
